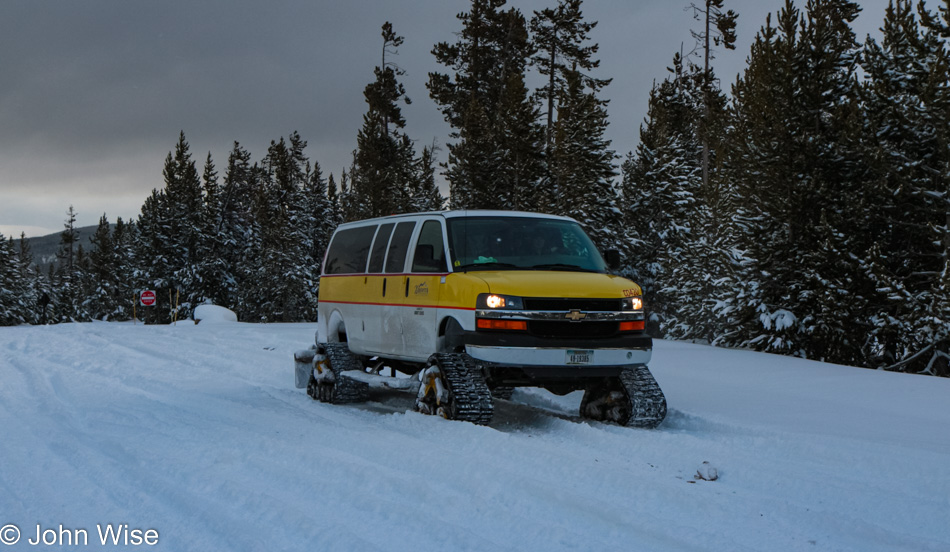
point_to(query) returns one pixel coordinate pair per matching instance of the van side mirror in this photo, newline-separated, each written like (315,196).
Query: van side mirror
(612,256)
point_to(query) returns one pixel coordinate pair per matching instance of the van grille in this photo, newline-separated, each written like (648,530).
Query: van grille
(572,329)
(559,304)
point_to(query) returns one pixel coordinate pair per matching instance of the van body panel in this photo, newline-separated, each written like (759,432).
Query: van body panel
(389,310)
(419,316)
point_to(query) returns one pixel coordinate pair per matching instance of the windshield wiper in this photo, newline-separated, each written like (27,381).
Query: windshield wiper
(562,266)
(485,266)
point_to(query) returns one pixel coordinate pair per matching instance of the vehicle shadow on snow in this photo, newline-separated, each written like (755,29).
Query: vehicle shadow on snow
(528,411)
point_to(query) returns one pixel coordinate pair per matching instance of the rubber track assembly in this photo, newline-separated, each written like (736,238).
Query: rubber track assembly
(632,399)
(647,403)
(344,389)
(470,396)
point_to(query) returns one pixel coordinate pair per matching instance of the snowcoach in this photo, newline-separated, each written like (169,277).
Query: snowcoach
(468,305)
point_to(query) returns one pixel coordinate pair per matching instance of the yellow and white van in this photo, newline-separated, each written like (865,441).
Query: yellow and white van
(478,302)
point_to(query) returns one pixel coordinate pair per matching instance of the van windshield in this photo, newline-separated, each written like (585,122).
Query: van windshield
(521,243)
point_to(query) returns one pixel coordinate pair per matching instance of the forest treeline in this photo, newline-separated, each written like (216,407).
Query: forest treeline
(802,209)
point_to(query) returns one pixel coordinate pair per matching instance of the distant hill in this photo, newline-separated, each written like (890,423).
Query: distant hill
(45,247)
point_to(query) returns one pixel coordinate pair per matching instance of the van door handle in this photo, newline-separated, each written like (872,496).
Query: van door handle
(407,286)
(384,287)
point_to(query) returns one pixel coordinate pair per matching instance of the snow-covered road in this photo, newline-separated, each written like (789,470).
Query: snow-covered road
(198,433)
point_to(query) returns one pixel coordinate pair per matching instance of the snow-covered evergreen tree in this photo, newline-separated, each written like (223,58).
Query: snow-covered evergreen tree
(673,249)
(103,289)
(492,48)
(68,240)
(383,175)
(426,195)
(351,208)
(209,278)
(124,239)
(582,165)
(560,36)
(13,308)
(519,157)
(34,284)
(322,220)
(719,29)
(284,280)
(907,94)
(170,228)
(237,232)
(333,195)
(794,156)
(67,304)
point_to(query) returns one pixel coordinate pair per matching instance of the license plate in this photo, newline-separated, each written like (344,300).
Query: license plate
(580,357)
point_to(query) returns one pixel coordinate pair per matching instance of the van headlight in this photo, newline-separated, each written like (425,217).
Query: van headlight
(495,301)
(633,304)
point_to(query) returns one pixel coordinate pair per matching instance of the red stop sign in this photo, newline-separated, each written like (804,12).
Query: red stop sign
(147,298)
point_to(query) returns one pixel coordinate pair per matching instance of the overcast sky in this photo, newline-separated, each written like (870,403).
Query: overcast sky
(93,94)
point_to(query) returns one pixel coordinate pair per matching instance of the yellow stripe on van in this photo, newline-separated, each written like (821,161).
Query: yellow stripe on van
(459,290)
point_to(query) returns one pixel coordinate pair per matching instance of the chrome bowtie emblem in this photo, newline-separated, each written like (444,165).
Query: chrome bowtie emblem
(575,315)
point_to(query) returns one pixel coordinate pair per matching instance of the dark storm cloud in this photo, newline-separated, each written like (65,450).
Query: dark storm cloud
(119,71)
(93,93)
(117,80)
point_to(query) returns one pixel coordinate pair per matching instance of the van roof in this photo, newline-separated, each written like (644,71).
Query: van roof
(464,213)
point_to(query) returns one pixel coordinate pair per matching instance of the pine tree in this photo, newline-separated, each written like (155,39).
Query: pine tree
(209,277)
(284,277)
(907,93)
(33,284)
(677,247)
(350,206)
(67,242)
(560,35)
(670,253)
(492,48)
(518,159)
(582,165)
(321,210)
(794,156)
(426,195)
(471,171)
(170,232)
(69,273)
(103,289)
(719,29)
(13,311)
(83,286)
(332,192)
(238,232)
(127,276)
(382,175)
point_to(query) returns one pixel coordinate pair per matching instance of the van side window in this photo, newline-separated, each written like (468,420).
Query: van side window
(430,249)
(399,247)
(379,247)
(349,250)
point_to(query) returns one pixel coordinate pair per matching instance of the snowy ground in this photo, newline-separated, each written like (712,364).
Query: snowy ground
(198,433)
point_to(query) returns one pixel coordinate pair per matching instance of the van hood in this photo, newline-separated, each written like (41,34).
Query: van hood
(536,283)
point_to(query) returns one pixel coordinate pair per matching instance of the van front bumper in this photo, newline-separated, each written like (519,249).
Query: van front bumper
(508,349)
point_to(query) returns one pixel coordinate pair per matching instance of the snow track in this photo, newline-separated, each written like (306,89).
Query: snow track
(198,432)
